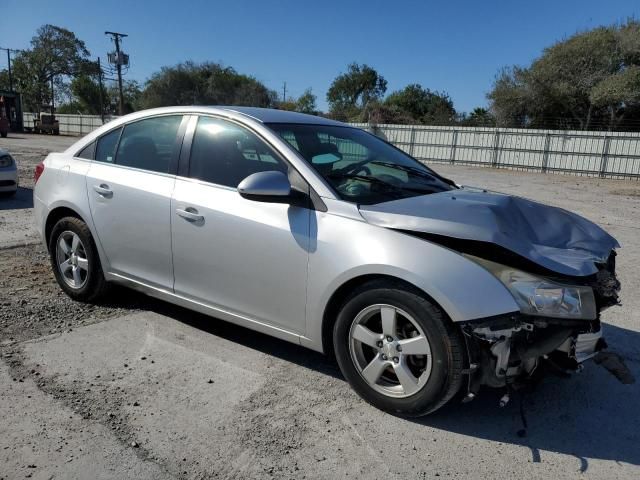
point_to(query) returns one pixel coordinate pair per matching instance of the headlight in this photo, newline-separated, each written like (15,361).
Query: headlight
(543,297)
(6,161)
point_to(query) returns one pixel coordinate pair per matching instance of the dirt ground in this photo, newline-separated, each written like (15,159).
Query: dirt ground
(138,388)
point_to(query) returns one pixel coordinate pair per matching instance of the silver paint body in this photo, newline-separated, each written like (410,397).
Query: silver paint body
(9,173)
(271,267)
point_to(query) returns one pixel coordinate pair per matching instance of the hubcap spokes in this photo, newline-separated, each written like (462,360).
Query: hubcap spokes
(72,260)
(390,350)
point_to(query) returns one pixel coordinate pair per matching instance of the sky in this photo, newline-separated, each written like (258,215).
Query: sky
(451,46)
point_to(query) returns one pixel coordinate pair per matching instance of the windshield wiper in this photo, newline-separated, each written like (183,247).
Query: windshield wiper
(416,171)
(377,181)
(406,168)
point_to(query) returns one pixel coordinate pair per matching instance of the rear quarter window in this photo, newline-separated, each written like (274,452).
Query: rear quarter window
(87,152)
(106,146)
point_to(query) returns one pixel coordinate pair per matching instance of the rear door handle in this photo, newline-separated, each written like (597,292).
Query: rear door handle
(103,190)
(190,214)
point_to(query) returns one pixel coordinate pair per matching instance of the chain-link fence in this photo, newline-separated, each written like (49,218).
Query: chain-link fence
(603,154)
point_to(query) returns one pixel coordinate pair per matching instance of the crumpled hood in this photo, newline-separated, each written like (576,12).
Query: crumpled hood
(553,238)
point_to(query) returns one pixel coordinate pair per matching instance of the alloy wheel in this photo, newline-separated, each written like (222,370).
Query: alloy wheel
(390,350)
(71,257)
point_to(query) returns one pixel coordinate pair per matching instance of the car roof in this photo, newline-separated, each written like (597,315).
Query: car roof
(271,115)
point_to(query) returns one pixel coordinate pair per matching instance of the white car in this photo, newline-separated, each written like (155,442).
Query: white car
(8,174)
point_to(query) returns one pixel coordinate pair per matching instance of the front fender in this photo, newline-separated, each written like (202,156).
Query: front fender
(347,249)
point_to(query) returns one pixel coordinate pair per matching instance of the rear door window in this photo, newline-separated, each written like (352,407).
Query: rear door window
(149,144)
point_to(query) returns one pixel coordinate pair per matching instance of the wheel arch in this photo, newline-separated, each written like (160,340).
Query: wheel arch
(336,300)
(56,214)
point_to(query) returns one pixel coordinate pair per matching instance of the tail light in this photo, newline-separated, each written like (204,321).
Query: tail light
(38,171)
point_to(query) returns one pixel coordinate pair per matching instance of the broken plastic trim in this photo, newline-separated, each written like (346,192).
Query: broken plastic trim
(512,350)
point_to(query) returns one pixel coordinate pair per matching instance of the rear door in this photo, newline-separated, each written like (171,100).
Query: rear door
(129,184)
(244,257)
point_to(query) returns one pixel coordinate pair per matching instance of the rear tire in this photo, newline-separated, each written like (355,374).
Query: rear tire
(398,350)
(75,261)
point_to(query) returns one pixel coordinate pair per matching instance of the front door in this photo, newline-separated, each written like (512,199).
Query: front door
(244,257)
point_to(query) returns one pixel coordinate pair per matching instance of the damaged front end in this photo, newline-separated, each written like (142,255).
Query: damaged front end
(557,329)
(558,267)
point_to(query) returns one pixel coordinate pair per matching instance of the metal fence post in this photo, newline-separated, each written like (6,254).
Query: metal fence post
(604,159)
(545,155)
(412,141)
(454,143)
(496,146)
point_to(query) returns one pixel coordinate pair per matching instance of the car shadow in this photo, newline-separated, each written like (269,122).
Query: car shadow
(21,200)
(590,415)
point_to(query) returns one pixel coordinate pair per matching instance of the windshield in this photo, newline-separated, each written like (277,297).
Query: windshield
(361,167)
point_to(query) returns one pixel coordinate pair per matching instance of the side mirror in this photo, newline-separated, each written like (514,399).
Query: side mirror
(272,186)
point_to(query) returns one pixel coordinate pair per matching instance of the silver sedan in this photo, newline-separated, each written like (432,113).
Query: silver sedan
(325,235)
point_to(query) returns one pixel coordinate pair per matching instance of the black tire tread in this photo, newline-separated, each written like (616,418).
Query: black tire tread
(98,287)
(456,350)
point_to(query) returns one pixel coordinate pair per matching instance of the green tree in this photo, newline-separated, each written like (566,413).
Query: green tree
(55,53)
(589,80)
(189,83)
(131,93)
(87,96)
(351,92)
(306,103)
(479,117)
(4,79)
(423,105)
(377,113)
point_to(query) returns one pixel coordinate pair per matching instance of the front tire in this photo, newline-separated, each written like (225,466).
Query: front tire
(75,261)
(398,350)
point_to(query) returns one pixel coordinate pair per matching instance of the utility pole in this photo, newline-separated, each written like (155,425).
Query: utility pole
(9,67)
(284,92)
(119,61)
(53,108)
(100,88)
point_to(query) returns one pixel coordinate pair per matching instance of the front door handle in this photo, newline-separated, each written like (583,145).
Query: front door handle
(190,213)
(103,190)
